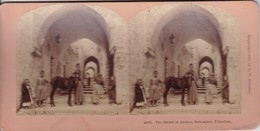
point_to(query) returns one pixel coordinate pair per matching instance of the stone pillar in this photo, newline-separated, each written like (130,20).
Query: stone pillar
(121,75)
(233,72)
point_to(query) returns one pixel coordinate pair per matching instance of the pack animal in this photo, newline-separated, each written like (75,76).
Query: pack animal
(68,83)
(181,84)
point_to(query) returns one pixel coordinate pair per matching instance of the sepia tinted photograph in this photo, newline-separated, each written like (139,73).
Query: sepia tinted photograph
(80,59)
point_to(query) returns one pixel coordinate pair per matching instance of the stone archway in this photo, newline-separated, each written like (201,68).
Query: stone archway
(209,65)
(55,28)
(92,69)
(164,30)
(94,60)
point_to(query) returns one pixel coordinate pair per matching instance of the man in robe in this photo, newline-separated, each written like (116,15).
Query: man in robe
(112,90)
(225,91)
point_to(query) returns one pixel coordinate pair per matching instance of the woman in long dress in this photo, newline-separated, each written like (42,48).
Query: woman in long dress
(192,94)
(79,92)
(140,99)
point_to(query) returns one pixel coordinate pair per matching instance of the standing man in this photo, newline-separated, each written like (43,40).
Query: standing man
(225,60)
(78,69)
(112,90)
(203,79)
(79,92)
(190,74)
(191,71)
(225,91)
(154,87)
(40,89)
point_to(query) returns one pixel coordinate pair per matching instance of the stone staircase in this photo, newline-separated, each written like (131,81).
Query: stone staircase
(88,89)
(202,89)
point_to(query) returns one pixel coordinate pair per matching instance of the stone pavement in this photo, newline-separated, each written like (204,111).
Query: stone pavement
(175,107)
(103,108)
(62,108)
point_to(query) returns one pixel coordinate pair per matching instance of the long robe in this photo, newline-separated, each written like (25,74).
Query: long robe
(97,89)
(112,91)
(140,98)
(26,95)
(192,94)
(225,91)
(209,93)
(79,93)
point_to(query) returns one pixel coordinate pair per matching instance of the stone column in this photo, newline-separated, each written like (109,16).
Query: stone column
(121,75)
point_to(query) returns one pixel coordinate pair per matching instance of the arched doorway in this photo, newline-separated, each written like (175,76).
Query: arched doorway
(94,60)
(91,70)
(206,63)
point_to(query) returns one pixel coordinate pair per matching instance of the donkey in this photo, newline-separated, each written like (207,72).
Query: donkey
(62,83)
(181,83)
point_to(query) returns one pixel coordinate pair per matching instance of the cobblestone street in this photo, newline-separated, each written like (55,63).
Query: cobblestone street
(88,108)
(175,107)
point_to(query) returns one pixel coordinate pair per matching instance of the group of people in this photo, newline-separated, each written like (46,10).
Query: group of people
(36,97)
(97,88)
(210,84)
(154,92)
